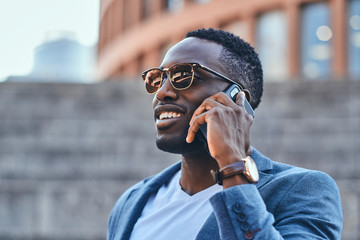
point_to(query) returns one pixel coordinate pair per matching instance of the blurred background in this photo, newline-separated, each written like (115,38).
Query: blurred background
(76,126)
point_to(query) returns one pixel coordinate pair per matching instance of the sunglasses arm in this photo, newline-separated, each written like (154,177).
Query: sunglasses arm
(220,75)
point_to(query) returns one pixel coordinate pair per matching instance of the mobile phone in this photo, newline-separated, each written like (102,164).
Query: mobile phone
(232,92)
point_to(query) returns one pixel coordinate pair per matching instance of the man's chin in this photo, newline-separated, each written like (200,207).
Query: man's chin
(177,145)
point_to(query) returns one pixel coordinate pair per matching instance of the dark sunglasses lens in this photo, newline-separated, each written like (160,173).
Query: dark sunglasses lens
(181,76)
(152,80)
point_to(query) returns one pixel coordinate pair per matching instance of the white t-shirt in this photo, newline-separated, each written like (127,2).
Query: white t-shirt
(173,214)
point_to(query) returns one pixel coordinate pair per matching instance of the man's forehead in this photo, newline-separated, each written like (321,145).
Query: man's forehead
(193,50)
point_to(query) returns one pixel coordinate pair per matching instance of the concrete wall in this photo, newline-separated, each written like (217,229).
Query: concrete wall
(67,151)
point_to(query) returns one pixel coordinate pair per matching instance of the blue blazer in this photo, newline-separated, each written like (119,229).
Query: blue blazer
(287,203)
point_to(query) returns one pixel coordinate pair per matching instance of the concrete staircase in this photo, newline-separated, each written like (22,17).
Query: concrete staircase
(68,151)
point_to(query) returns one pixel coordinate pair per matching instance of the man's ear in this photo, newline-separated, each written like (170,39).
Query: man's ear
(247,94)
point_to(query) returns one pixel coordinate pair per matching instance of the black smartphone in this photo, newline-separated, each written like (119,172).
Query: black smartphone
(232,92)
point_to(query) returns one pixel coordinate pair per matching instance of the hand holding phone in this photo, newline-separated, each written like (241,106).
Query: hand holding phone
(232,92)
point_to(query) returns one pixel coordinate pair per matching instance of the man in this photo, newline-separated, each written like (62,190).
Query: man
(184,201)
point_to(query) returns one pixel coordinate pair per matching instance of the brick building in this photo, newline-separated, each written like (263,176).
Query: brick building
(310,38)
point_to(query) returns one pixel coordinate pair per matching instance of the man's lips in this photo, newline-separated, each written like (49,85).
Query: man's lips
(167,115)
(168,111)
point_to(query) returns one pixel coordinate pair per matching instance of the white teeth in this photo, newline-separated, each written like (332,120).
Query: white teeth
(166,115)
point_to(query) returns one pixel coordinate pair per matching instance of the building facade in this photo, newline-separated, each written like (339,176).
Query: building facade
(294,38)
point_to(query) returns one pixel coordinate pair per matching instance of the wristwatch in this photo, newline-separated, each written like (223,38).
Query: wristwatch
(245,166)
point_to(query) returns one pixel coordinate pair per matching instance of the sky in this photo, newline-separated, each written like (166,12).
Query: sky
(25,23)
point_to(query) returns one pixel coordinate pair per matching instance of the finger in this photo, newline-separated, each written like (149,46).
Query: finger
(218,98)
(194,127)
(207,105)
(240,99)
(222,98)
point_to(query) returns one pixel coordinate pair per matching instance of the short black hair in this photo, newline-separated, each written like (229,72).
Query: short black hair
(239,58)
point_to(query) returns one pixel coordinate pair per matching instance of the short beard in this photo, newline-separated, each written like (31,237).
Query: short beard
(178,145)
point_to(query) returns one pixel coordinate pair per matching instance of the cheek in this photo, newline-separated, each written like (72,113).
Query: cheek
(194,101)
(154,101)
(199,95)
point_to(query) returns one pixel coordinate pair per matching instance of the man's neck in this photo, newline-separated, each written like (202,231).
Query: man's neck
(195,172)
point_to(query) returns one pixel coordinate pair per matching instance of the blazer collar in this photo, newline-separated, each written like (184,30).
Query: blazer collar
(262,162)
(264,166)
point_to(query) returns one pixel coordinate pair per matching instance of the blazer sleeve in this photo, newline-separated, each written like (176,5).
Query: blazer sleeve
(308,209)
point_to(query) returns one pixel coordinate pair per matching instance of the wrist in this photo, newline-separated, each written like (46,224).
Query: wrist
(234,181)
(228,160)
(245,167)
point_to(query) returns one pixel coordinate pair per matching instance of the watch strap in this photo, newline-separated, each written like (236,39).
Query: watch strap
(230,170)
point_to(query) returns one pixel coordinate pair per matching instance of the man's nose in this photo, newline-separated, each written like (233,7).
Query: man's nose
(166,92)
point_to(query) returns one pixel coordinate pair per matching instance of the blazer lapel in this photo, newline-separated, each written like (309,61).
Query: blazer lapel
(137,200)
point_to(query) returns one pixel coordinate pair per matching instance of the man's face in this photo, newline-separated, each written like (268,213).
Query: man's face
(173,108)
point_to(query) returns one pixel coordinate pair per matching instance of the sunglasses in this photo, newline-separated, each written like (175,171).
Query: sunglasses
(181,76)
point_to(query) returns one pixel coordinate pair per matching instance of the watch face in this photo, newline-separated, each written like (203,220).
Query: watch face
(251,171)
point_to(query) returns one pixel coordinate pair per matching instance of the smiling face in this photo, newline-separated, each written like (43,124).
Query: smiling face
(173,108)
